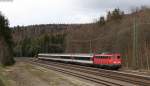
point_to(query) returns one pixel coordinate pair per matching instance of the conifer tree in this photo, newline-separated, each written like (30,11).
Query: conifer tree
(6,49)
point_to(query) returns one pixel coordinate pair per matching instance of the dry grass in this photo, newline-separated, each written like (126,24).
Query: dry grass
(4,81)
(1,83)
(23,74)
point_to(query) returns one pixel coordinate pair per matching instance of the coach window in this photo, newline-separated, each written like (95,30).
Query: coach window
(78,58)
(65,57)
(87,58)
(82,58)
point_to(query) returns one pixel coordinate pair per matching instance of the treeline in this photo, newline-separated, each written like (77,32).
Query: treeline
(114,15)
(6,43)
(45,43)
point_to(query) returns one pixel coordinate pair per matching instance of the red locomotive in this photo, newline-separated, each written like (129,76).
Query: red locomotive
(112,61)
(105,60)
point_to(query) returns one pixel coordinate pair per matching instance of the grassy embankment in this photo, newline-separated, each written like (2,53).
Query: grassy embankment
(24,74)
(3,79)
(1,83)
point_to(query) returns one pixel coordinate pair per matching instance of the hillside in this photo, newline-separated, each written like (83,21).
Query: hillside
(115,36)
(48,38)
(32,31)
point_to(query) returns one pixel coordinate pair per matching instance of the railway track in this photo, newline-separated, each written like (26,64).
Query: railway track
(123,76)
(80,75)
(88,73)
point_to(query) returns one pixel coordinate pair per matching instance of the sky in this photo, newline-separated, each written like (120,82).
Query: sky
(29,12)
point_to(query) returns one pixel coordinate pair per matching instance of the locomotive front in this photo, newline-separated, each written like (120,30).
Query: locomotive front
(111,61)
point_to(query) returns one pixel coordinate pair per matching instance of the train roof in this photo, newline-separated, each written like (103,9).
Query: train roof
(68,55)
(110,54)
(78,55)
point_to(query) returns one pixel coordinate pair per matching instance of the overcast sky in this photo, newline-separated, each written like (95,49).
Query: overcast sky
(27,12)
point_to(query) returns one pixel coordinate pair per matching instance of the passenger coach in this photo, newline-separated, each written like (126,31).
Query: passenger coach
(111,60)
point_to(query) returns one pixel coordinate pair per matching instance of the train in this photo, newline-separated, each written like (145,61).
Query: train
(103,60)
